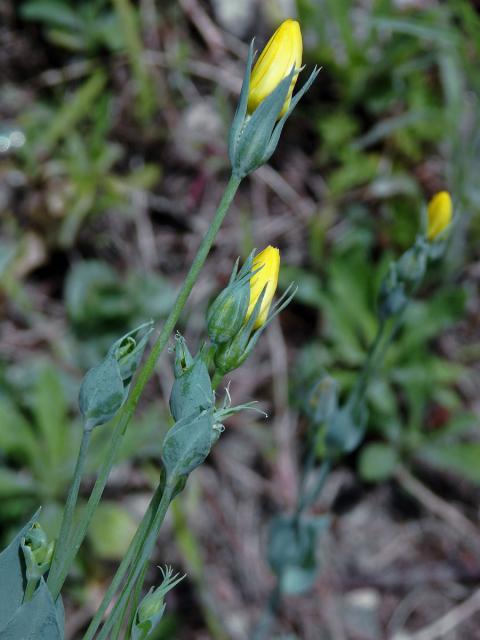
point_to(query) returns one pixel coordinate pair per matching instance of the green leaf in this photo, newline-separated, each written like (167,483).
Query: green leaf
(12,582)
(377,462)
(345,430)
(52,12)
(111,531)
(292,551)
(15,483)
(16,436)
(38,619)
(50,410)
(463,458)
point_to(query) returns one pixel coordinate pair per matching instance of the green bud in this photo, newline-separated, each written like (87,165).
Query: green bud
(192,390)
(292,544)
(105,387)
(188,443)
(233,354)
(412,264)
(227,312)
(345,430)
(322,400)
(151,609)
(128,351)
(392,296)
(37,552)
(254,138)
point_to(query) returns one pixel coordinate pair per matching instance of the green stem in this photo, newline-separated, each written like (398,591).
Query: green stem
(269,614)
(217,378)
(368,366)
(305,499)
(30,589)
(138,564)
(68,512)
(132,551)
(137,595)
(398,322)
(122,420)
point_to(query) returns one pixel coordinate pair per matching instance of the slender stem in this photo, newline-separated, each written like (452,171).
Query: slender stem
(123,417)
(364,375)
(269,614)
(68,512)
(138,565)
(30,589)
(307,499)
(217,378)
(398,321)
(137,594)
(132,551)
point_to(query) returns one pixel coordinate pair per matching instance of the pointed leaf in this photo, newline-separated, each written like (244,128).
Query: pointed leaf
(12,581)
(38,619)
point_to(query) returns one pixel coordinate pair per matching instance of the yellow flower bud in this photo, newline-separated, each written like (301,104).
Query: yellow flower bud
(439,214)
(282,53)
(268,264)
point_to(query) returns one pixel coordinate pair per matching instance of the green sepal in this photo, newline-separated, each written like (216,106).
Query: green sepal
(231,355)
(152,607)
(38,619)
(292,544)
(192,390)
(345,430)
(227,312)
(322,400)
(241,112)
(412,264)
(437,248)
(254,138)
(37,553)
(188,443)
(392,297)
(275,137)
(258,128)
(128,350)
(102,393)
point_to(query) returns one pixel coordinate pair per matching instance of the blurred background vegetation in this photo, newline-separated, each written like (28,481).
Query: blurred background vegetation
(113,124)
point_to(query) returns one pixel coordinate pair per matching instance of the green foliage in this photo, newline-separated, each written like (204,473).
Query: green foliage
(39,618)
(81,179)
(377,462)
(111,530)
(292,551)
(101,303)
(86,28)
(39,443)
(412,377)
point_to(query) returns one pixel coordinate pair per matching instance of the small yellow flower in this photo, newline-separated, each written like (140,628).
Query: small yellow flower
(268,263)
(283,51)
(439,214)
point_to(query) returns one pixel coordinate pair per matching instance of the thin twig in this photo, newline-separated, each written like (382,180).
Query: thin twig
(441,508)
(446,623)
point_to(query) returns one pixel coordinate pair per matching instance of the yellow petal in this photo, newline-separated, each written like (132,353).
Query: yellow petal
(268,263)
(282,52)
(439,214)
